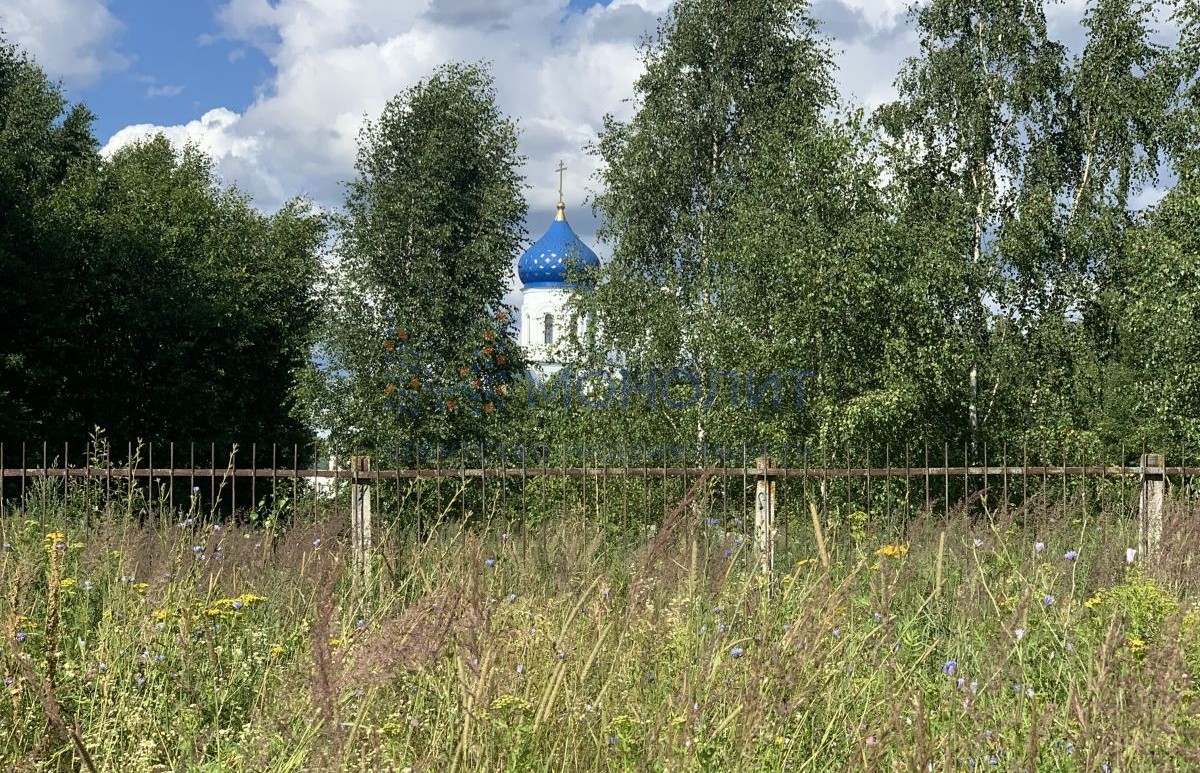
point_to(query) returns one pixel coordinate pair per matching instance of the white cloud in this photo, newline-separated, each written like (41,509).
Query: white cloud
(70,39)
(557,73)
(337,62)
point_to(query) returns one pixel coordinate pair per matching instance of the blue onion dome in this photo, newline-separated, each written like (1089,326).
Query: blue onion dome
(550,259)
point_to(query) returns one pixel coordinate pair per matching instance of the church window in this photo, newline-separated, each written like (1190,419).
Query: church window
(548,329)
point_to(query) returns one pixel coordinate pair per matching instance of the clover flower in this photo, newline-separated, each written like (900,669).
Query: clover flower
(1019,633)
(1039,547)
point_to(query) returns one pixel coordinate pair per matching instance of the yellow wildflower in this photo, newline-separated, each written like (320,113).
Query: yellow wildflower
(141,587)
(276,649)
(66,582)
(892,550)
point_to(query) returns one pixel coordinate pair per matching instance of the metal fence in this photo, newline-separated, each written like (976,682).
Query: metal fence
(626,484)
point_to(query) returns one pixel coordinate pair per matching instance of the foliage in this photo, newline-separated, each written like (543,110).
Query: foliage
(431,226)
(730,102)
(42,142)
(135,292)
(207,303)
(1137,605)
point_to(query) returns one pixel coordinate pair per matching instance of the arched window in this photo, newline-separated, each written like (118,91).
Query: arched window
(548,329)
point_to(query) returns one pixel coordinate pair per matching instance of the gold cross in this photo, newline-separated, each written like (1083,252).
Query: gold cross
(561,168)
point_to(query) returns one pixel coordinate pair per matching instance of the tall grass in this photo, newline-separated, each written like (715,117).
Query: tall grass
(958,644)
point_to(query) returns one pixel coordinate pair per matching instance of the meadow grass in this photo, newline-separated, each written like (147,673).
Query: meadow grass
(180,643)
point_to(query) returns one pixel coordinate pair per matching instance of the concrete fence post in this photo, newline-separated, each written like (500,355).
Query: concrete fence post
(360,522)
(1150,508)
(764,516)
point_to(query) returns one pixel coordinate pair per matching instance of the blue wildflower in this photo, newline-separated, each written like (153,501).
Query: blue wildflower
(737,652)
(1071,555)
(951,668)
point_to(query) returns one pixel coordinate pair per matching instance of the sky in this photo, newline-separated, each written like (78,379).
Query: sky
(276,90)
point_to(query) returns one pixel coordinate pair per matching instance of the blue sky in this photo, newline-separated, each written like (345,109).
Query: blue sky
(178,67)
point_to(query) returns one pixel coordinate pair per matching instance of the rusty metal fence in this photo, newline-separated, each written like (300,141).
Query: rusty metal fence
(627,485)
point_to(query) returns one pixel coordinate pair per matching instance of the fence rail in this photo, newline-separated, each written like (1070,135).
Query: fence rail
(571,472)
(738,489)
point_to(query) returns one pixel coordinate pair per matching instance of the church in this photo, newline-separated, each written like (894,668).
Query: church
(544,272)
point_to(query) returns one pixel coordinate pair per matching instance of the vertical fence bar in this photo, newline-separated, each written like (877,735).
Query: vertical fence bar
(253,476)
(524,495)
(625,488)
(45,482)
(985,483)
(233,476)
(87,485)
(66,472)
(803,481)
(151,498)
(130,480)
(171,479)
(1064,507)
(192,490)
(745,488)
(420,485)
(966,494)
(504,486)
(296,480)
(24,467)
(1004,472)
(946,479)
(1025,479)
(907,485)
(785,484)
(868,458)
(887,484)
(212,477)
(928,504)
